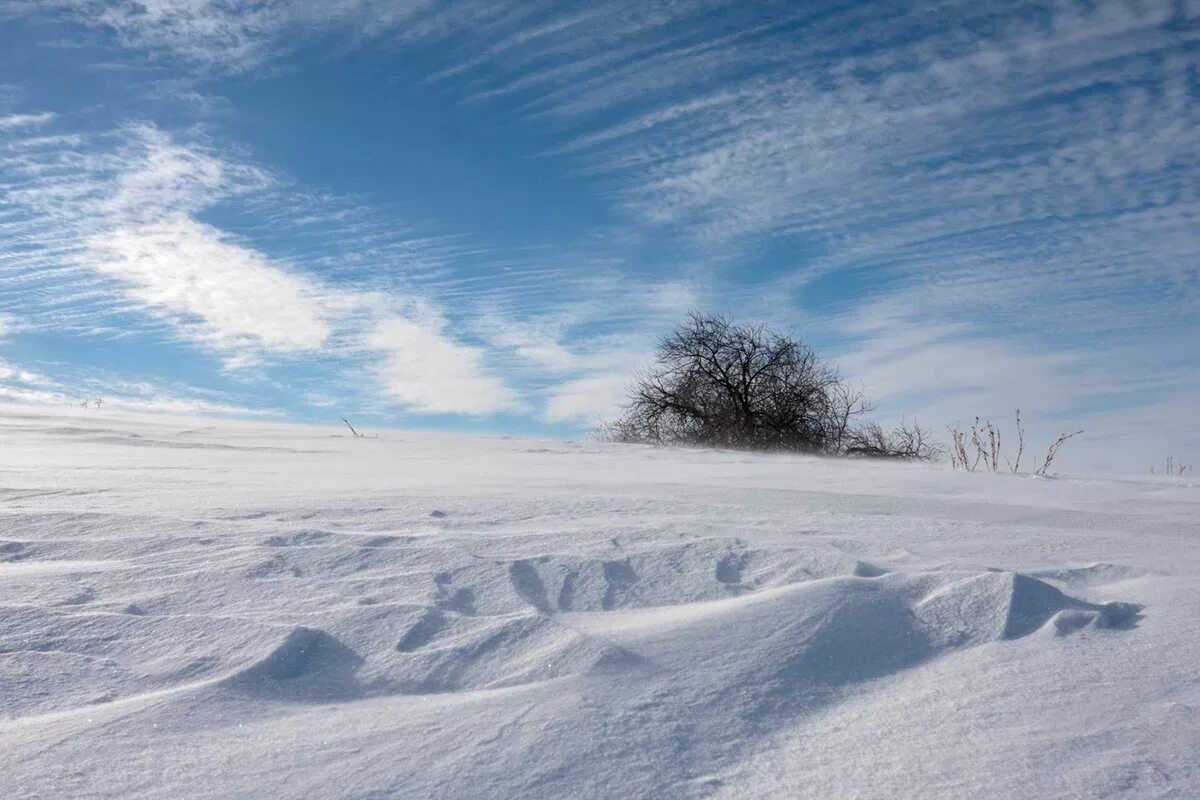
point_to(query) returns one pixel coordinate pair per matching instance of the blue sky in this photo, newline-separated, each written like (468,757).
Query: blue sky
(481,215)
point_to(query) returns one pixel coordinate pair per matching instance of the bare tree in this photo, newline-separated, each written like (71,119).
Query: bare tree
(716,383)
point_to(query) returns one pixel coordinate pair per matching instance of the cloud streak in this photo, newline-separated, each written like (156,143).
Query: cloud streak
(188,268)
(426,371)
(14,121)
(121,226)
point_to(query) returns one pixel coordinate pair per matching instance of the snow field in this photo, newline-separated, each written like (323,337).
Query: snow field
(225,609)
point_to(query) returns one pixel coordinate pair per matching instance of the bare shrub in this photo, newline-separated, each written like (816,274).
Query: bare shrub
(908,442)
(716,383)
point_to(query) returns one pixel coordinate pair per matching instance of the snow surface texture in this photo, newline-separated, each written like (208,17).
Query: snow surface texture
(227,610)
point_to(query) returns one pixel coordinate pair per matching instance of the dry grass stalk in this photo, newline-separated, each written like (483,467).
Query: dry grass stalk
(985,447)
(958,449)
(1015,466)
(1175,468)
(1053,451)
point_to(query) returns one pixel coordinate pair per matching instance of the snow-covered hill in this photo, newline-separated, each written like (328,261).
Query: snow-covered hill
(220,609)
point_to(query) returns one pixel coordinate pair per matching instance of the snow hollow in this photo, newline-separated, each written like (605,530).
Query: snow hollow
(236,610)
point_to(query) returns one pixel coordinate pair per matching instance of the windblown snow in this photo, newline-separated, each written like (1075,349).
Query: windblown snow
(233,610)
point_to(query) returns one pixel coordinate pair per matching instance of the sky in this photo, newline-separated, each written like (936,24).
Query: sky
(482,215)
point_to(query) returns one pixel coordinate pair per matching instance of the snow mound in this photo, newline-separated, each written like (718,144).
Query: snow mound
(443,653)
(1008,605)
(847,629)
(1098,574)
(309,665)
(799,638)
(696,571)
(438,652)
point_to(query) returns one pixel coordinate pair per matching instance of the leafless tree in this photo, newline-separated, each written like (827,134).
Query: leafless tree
(716,383)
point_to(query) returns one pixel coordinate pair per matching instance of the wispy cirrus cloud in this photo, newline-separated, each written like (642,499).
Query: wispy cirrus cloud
(106,232)
(108,222)
(187,268)
(12,121)
(588,400)
(232,36)
(13,373)
(1012,183)
(942,139)
(21,384)
(425,370)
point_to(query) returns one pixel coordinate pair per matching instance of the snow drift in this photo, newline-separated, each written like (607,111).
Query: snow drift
(235,609)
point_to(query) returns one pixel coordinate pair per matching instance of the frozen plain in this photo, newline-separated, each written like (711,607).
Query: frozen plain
(199,608)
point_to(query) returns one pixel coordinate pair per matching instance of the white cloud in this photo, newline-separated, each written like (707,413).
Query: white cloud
(157,176)
(236,36)
(168,404)
(9,372)
(427,372)
(1116,440)
(12,121)
(529,342)
(912,361)
(547,353)
(126,216)
(1026,177)
(943,373)
(209,31)
(955,374)
(123,225)
(22,385)
(321,400)
(587,400)
(238,297)
(39,397)
(164,404)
